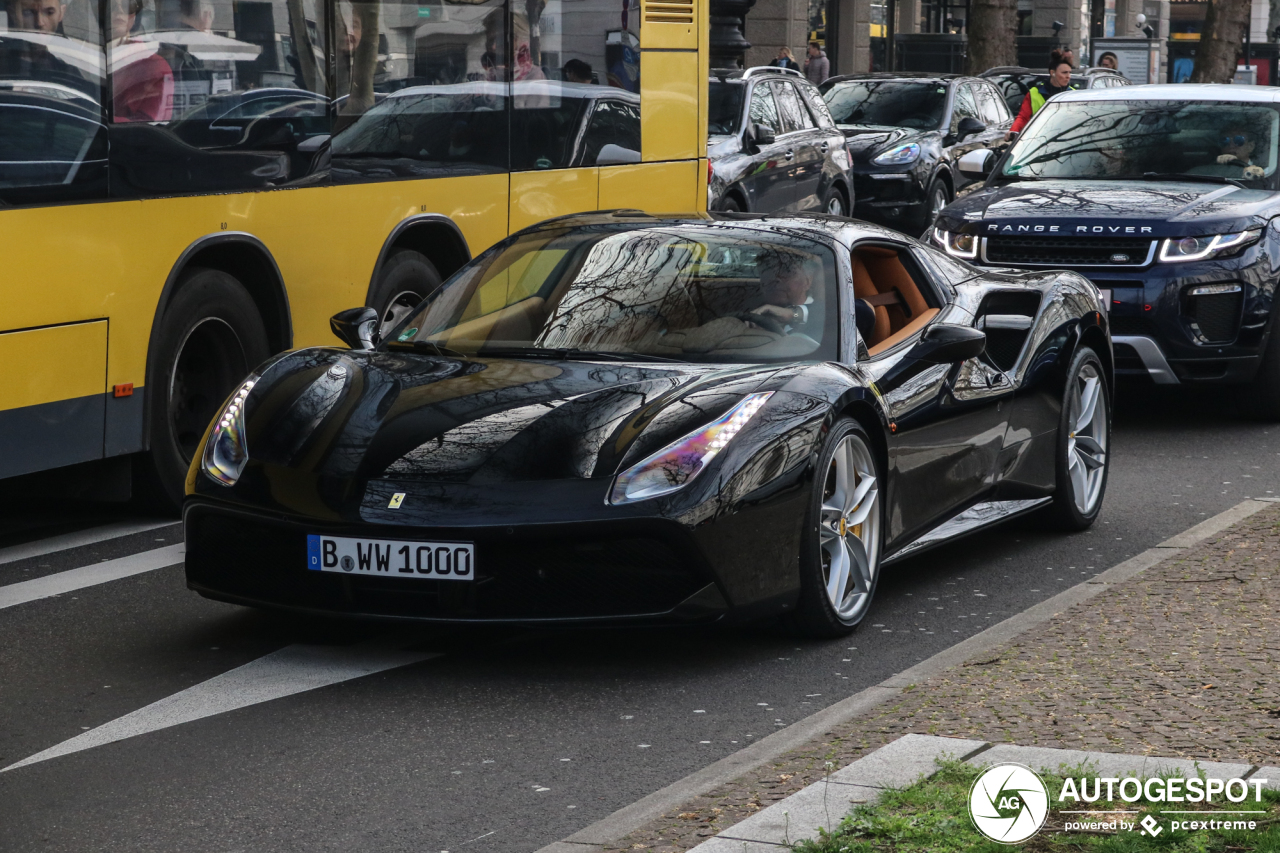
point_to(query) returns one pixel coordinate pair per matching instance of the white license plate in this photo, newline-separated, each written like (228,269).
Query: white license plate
(391,559)
(1106,300)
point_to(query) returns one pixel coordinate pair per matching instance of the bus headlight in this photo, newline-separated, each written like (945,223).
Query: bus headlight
(676,465)
(957,245)
(226,452)
(1176,249)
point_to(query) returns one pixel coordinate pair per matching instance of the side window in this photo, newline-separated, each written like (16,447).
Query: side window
(966,105)
(945,270)
(53,134)
(817,105)
(794,115)
(994,111)
(564,57)
(763,109)
(612,123)
(210,97)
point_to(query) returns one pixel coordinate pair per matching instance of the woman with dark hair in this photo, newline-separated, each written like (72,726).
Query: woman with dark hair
(1059,81)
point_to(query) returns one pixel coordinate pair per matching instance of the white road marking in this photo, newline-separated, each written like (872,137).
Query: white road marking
(93,535)
(73,579)
(293,669)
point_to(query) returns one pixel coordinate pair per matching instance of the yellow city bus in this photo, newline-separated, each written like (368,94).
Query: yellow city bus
(187,186)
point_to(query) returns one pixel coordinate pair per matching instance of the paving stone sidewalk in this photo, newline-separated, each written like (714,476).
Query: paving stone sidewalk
(1181,661)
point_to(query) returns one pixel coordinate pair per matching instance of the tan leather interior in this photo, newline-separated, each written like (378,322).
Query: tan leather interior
(878,271)
(515,322)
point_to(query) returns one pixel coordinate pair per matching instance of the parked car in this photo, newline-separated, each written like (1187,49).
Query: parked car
(905,133)
(626,418)
(1167,197)
(1014,81)
(773,146)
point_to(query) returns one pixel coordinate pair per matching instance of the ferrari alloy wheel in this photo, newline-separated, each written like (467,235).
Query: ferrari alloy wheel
(1083,443)
(842,565)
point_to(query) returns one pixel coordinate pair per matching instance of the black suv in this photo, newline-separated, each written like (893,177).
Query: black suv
(905,133)
(1168,198)
(773,145)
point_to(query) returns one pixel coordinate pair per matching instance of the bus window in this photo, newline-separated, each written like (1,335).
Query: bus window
(53,143)
(422,92)
(575,85)
(214,97)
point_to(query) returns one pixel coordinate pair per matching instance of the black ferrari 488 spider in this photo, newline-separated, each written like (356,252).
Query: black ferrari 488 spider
(622,417)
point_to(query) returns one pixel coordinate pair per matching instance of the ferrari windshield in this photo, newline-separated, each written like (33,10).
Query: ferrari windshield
(1145,139)
(887,103)
(688,292)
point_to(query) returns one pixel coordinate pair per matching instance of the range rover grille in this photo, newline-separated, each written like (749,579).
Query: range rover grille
(1068,251)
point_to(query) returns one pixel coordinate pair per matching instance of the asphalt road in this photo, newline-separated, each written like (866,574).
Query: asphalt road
(281,734)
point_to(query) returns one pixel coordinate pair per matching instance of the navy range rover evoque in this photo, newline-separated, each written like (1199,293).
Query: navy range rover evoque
(1167,198)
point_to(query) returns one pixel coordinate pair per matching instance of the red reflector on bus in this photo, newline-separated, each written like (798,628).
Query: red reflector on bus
(125,390)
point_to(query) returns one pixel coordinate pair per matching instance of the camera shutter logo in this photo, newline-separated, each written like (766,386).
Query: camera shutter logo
(1008,803)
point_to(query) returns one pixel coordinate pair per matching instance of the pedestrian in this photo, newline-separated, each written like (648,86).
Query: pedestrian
(1069,56)
(785,60)
(1108,60)
(817,67)
(1059,81)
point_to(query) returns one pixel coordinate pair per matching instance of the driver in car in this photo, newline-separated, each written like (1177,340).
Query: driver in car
(786,284)
(1238,144)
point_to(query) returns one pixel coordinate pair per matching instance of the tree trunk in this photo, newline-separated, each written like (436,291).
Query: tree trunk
(993,33)
(308,72)
(1224,27)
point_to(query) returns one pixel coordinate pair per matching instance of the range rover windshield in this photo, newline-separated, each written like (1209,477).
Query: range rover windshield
(1149,140)
(676,292)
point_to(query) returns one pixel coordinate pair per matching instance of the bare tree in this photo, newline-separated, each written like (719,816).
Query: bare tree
(993,32)
(1224,26)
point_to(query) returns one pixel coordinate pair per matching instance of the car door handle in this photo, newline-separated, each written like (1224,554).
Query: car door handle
(826,146)
(790,154)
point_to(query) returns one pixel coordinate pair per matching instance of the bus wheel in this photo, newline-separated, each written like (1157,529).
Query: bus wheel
(211,337)
(406,278)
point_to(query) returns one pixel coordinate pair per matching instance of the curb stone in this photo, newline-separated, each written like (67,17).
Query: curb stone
(592,838)
(906,760)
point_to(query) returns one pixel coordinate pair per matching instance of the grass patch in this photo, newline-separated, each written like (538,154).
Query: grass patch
(932,816)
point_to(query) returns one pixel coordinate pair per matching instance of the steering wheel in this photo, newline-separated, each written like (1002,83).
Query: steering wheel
(917,120)
(764,321)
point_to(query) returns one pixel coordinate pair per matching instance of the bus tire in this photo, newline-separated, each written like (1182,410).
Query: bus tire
(406,278)
(211,337)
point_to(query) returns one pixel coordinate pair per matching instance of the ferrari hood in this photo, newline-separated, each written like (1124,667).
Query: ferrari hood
(344,415)
(1110,208)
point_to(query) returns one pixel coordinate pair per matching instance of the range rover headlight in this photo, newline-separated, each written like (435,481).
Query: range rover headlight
(226,452)
(898,155)
(1176,249)
(676,465)
(957,245)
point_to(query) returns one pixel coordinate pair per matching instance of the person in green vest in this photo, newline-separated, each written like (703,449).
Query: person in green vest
(1059,81)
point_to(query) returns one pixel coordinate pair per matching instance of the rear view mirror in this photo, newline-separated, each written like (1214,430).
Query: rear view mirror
(947,343)
(356,327)
(969,126)
(762,134)
(976,164)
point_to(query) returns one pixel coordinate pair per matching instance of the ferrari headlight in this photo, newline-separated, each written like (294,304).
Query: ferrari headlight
(226,452)
(957,245)
(898,155)
(676,465)
(1177,249)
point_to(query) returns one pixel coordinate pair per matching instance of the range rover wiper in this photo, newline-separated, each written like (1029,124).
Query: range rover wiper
(426,346)
(570,353)
(1185,176)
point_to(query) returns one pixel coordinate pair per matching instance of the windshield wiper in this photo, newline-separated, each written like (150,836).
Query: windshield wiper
(426,346)
(570,353)
(1184,176)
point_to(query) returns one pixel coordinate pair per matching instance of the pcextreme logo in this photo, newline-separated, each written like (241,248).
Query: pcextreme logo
(1008,803)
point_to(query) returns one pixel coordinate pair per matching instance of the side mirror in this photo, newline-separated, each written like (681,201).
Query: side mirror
(356,327)
(976,164)
(762,134)
(947,343)
(969,126)
(613,155)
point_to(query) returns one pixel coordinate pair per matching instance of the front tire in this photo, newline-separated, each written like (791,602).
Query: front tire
(938,197)
(211,337)
(843,536)
(406,278)
(1083,446)
(834,203)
